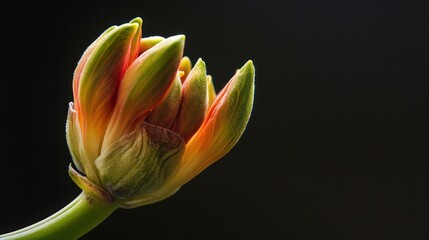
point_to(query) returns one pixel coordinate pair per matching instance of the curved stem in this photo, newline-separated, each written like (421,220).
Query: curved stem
(71,222)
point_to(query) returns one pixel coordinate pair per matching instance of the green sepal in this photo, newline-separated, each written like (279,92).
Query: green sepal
(89,187)
(74,139)
(139,162)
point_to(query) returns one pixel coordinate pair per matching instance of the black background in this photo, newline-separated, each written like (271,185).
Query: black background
(336,148)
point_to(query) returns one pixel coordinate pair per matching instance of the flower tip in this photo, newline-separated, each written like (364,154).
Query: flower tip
(185,66)
(126,29)
(246,74)
(248,67)
(148,42)
(153,40)
(200,65)
(186,60)
(175,42)
(173,46)
(137,20)
(178,39)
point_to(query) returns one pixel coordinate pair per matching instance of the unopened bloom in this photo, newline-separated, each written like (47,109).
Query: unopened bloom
(144,121)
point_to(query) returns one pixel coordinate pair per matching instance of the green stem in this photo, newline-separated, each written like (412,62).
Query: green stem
(71,222)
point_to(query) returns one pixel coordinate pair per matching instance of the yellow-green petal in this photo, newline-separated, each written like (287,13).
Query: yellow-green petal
(211,90)
(166,112)
(194,105)
(149,42)
(185,67)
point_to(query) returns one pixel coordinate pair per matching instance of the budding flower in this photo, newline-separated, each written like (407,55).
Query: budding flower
(144,121)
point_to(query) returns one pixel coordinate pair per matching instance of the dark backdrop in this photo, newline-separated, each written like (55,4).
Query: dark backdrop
(336,148)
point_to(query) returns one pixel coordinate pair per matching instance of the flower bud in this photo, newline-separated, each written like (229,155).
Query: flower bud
(223,126)
(144,123)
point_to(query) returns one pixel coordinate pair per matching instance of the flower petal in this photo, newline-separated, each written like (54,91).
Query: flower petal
(148,42)
(135,44)
(211,90)
(99,82)
(82,62)
(185,67)
(144,85)
(166,112)
(223,126)
(194,105)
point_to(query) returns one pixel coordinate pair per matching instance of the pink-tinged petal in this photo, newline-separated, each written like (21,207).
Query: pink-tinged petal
(149,42)
(81,65)
(143,86)
(211,91)
(224,124)
(185,67)
(194,105)
(166,112)
(99,83)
